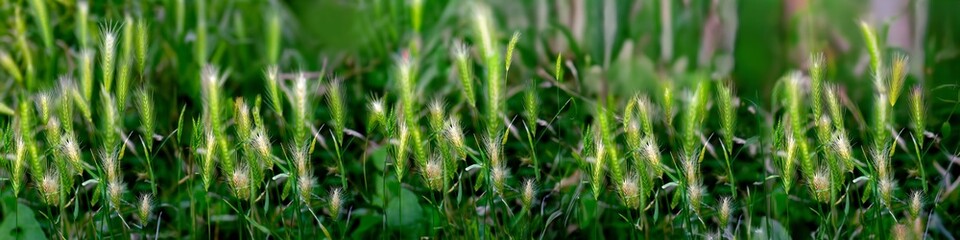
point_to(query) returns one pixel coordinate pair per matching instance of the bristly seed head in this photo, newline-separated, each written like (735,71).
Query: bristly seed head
(916,204)
(115,190)
(50,188)
(499,176)
(820,183)
(455,134)
(71,150)
(144,208)
(335,203)
(695,194)
(261,143)
(630,191)
(305,185)
(529,193)
(886,187)
(725,211)
(240,182)
(433,175)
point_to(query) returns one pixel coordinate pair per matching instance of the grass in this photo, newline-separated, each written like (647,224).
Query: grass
(216,120)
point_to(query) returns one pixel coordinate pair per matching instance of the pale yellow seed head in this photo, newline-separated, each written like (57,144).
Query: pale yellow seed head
(305,183)
(821,185)
(240,182)
(916,204)
(886,187)
(50,188)
(115,190)
(144,208)
(630,191)
(335,202)
(529,193)
(433,174)
(499,175)
(725,211)
(695,194)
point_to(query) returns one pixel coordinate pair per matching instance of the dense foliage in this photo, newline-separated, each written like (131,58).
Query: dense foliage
(403,119)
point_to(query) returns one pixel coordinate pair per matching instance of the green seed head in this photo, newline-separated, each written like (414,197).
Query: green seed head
(273,90)
(400,152)
(141,45)
(727,115)
(83,32)
(898,75)
(461,55)
(510,47)
(144,104)
(873,48)
(725,211)
(337,108)
(597,168)
(18,165)
(917,113)
(86,73)
(531,105)
(108,50)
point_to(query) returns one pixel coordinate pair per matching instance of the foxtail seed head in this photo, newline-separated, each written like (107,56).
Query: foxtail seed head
(725,211)
(305,184)
(50,188)
(144,208)
(337,108)
(629,190)
(529,193)
(433,174)
(499,177)
(273,90)
(240,182)
(916,204)
(898,75)
(885,187)
(108,49)
(917,113)
(335,203)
